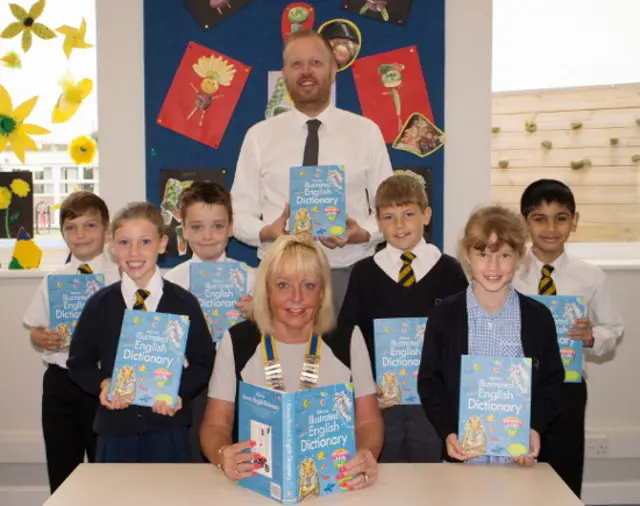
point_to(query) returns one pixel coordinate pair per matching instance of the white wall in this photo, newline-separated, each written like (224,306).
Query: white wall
(563,43)
(468,119)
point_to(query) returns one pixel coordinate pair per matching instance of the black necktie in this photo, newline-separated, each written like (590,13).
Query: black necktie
(312,145)
(141,296)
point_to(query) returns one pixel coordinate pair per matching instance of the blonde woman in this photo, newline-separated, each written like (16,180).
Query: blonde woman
(292,303)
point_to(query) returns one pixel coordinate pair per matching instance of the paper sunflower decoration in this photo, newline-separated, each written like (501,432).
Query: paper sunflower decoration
(74,38)
(27,25)
(71,97)
(11,60)
(82,150)
(13,130)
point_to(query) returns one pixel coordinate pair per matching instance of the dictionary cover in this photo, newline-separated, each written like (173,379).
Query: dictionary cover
(495,405)
(218,286)
(303,439)
(316,198)
(398,344)
(150,357)
(68,293)
(566,309)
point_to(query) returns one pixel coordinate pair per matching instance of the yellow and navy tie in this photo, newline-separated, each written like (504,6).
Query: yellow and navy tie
(141,296)
(85,269)
(407,277)
(547,285)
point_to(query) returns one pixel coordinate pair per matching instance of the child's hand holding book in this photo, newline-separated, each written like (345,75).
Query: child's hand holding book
(45,338)
(116,402)
(244,304)
(162,408)
(534,450)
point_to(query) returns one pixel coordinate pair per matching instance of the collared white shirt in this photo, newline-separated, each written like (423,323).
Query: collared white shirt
(37,314)
(261,186)
(573,276)
(427,255)
(181,274)
(129,288)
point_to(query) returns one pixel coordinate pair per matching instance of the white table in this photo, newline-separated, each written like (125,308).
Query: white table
(399,484)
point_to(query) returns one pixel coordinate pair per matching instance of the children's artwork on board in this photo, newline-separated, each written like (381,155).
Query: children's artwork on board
(172,183)
(345,40)
(279,100)
(203,95)
(419,136)
(297,16)
(26,253)
(208,13)
(16,203)
(389,11)
(391,88)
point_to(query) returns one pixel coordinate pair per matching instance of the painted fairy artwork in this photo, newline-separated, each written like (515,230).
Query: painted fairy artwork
(16,203)
(203,95)
(391,87)
(419,136)
(388,11)
(208,13)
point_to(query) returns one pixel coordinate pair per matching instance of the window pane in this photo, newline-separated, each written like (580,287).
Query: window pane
(89,173)
(69,173)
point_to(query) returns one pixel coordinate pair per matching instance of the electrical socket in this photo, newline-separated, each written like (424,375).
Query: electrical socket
(597,446)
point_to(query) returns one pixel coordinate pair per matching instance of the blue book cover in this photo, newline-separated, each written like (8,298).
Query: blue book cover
(398,345)
(218,286)
(495,405)
(304,438)
(566,309)
(150,357)
(68,293)
(317,203)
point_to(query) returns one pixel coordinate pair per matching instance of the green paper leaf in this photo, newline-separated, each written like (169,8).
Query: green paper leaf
(42,31)
(27,39)
(18,12)
(14,215)
(36,9)
(12,30)
(15,265)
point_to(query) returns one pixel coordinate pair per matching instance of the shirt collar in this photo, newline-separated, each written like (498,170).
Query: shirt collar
(325,116)
(221,258)
(560,262)
(97,264)
(474,305)
(422,250)
(129,286)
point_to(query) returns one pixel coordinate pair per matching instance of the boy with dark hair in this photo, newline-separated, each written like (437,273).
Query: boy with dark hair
(549,208)
(404,280)
(67,411)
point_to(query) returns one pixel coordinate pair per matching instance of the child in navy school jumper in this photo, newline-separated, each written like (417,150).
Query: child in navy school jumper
(489,319)
(128,433)
(384,287)
(67,410)
(549,207)
(207,215)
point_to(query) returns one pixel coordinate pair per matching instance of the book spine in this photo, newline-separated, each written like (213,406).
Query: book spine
(289,452)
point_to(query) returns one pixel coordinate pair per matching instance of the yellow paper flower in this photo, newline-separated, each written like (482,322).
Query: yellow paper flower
(215,72)
(74,38)
(82,150)
(71,97)
(26,24)
(12,60)
(20,187)
(13,130)
(5,198)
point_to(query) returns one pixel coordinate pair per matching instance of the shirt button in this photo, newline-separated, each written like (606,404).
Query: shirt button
(139,415)
(490,325)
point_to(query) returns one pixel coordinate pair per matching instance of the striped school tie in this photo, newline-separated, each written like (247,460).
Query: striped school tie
(547,285)
(85,269)
(407,277)
(141,296)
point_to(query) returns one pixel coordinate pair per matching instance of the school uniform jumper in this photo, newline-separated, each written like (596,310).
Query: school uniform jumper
(374,292)
(67,410)
(136,434)
(447,339)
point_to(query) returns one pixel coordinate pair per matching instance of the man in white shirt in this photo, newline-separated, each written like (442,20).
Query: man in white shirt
(314,133)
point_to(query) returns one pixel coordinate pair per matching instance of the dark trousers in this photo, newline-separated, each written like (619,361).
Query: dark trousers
(166,447)
(67,424)
(409,436)
(563,442)
(198,406)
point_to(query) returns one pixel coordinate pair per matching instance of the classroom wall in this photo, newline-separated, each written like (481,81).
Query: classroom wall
(468,116)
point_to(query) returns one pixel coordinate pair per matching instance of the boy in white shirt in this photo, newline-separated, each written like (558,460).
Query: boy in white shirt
(549,207)
(208,224)
(67,411)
